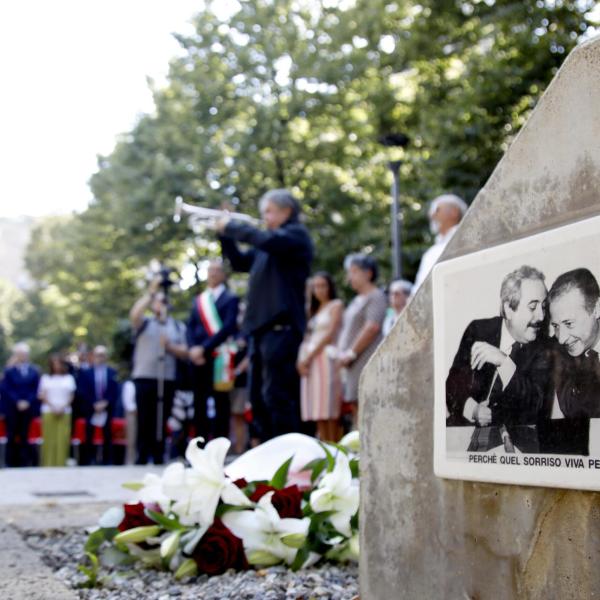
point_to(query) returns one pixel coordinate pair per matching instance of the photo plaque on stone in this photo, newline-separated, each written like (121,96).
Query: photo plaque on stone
(517,361)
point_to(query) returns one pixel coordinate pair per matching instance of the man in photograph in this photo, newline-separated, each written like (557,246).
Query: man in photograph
(574,305)
(500,374)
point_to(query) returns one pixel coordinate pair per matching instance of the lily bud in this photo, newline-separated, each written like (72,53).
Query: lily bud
(294,540)
(169,545)
(188,568)
(351,441)
(354,547)
(262,558)
(136,535)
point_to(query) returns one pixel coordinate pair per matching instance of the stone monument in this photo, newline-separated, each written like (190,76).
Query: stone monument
(427,537)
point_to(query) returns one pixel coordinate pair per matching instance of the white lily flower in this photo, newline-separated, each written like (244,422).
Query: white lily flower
(152,492)
(337,492)
(196,491)
(262,530)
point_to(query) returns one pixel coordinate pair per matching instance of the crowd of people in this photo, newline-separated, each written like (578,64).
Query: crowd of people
(287,358)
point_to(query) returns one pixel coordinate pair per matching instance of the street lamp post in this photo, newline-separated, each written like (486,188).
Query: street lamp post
(396,220)
(398,140)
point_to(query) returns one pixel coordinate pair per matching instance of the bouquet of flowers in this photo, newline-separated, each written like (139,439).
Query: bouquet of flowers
(195,519)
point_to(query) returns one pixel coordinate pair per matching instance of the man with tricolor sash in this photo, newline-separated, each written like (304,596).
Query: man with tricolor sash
(212,322)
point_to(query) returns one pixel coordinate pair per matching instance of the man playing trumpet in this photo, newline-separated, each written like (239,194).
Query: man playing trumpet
(279,262)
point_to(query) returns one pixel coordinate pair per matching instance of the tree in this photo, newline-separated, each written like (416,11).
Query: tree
(298,94)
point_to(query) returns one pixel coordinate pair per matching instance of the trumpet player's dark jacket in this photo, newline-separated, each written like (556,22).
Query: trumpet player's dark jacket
(279,263)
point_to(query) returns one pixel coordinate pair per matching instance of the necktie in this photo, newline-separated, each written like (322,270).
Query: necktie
(100,383)
(497,386)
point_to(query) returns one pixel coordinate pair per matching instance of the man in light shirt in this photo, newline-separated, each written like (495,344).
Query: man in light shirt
(445,214)
(501,373)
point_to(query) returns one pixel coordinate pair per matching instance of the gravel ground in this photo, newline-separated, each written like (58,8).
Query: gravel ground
(63,551)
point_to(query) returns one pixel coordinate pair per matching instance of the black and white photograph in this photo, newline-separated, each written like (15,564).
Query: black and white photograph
(517,361)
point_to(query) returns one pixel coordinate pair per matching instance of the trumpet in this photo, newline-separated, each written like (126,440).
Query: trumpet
(199,216)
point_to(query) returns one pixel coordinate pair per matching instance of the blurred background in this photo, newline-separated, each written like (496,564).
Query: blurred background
(110,110)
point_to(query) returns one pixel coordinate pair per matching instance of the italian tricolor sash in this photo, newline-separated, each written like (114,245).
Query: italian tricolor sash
(224,375)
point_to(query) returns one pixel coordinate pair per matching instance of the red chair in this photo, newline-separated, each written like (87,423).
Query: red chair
(78,433)
(3,441)
(34,435)
(78,437)
(3,436)
(98,436)
(118,428)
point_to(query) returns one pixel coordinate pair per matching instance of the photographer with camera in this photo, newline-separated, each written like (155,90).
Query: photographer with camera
(159,341)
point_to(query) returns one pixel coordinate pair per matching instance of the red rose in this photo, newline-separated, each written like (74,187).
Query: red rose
(219,550)
(134,517)
(241,483)
(287,501)
(260,491)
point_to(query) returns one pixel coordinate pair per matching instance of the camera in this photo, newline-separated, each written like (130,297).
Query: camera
(165,279)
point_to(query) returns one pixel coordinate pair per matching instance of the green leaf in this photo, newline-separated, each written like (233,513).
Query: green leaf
(317,520)
(316,467)
(329,457)
(113,557)
(317,470)
(94,541)
(168,523)
(90,572)
(225,508)
(301,557)
(354,467)
(311,464)
(280,478)
(339,447)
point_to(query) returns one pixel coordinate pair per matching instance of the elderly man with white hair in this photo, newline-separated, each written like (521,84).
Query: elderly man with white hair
(21,405)
(398,296)
(445,213)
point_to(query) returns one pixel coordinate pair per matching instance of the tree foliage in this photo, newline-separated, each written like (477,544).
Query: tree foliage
(297,94)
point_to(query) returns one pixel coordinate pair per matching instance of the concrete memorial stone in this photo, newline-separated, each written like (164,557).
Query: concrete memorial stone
(424,536)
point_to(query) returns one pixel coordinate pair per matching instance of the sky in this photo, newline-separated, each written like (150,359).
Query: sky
(73,77)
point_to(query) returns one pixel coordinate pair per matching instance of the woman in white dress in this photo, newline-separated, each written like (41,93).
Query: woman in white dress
(320,398)
(56,392)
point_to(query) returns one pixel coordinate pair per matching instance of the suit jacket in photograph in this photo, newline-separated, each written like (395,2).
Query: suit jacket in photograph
(524,396)
(576,381)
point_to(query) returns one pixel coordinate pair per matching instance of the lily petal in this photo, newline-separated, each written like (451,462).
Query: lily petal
(231,494)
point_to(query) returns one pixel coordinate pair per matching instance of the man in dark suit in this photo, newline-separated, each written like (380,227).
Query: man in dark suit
(98,388)
(213,319)
(500,374)
(574,305)
(21,405)
(279,263)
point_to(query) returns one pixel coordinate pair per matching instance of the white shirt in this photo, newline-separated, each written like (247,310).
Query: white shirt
(217,291)
(431,255)
(59,391)
(128,396)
